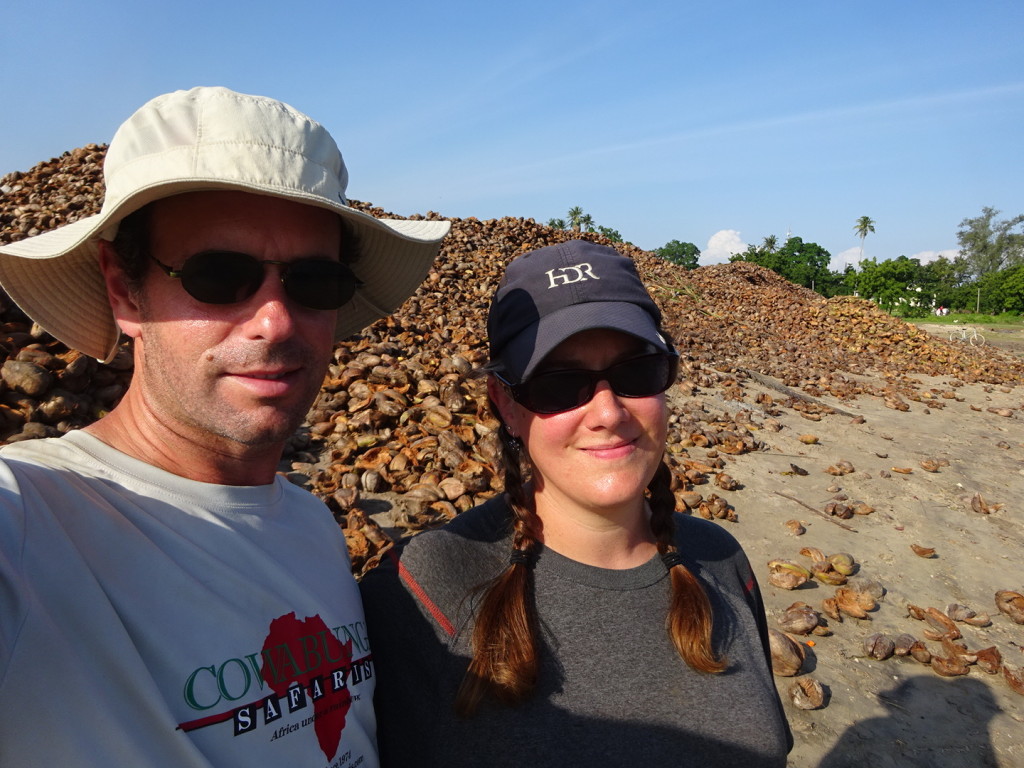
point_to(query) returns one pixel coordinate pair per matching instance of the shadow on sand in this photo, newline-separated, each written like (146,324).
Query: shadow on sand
(931,723)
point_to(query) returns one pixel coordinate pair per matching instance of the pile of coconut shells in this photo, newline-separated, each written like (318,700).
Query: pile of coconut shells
(401,414)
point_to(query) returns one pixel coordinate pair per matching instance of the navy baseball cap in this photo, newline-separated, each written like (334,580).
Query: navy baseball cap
(555,292)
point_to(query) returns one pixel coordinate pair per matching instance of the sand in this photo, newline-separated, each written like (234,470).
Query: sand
(898,712)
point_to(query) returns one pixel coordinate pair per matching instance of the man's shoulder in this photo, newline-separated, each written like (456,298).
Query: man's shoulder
(39,461)
(76,451)
(40,450)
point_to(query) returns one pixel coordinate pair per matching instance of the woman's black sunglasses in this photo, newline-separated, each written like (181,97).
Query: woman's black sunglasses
(226,277)
(557,391)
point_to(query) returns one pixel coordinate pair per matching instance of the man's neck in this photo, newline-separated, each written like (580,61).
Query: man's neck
(139,433)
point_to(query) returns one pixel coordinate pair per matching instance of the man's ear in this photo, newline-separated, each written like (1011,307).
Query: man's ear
(122,299)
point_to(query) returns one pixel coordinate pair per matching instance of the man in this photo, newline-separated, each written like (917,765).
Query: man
(165,597)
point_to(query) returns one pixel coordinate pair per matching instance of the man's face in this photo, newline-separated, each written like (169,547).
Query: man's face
(244,372)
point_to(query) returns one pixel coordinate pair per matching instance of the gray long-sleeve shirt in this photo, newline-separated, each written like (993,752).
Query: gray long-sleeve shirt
(612,689)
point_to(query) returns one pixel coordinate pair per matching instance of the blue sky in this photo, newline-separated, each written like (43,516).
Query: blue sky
(714,123)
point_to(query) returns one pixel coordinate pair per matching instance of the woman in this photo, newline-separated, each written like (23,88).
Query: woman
(576,619)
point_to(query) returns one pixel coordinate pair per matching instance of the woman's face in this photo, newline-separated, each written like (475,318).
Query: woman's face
(599,456)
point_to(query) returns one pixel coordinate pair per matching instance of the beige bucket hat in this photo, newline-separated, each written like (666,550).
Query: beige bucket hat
(206,139)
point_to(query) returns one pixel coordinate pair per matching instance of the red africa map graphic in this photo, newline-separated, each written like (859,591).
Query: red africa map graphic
(290,640)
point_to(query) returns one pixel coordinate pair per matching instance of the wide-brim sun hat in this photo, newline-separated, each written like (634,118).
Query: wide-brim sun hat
(211,138)
(555,292)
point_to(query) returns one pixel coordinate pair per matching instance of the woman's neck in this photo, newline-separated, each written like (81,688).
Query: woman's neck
(607,538)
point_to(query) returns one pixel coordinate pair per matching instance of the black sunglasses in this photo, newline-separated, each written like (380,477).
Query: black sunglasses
(226,277)
(558,391)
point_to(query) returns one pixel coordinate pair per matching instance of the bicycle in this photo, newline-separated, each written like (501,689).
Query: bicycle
(967,334)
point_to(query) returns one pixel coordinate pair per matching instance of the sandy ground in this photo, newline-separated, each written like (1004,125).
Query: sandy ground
(895,712)
(885,712)
(898,712)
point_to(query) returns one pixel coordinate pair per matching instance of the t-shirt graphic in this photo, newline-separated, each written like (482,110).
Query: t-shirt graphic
(303,663)
(304,658)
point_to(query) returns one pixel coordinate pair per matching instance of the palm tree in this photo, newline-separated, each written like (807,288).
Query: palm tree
(864,227)
(586,223)
(770,243)
(575,216)
(556,223)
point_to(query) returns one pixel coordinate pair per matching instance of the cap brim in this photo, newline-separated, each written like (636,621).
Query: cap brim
(524,353)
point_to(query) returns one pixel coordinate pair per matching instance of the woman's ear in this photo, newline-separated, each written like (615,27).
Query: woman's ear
(508,410)
(123,301)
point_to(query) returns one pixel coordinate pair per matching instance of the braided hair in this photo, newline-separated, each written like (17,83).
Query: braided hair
(505,640)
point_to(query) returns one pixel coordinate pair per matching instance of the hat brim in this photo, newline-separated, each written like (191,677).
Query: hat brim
(526,351)
(55,278)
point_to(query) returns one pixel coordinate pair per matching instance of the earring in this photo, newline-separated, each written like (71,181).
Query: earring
(512,439)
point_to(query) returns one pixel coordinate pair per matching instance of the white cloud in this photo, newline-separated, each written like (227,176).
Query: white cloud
(839,261)
(926,257)
(721,246)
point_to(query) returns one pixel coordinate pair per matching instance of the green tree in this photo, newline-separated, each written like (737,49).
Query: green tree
(578,221)
(802,263)
(837,283)
(1013,290)
(942,279)
(845,283)
(683,254)
(990,245)
(864,227)
(806,264)
(996,292)
(758,254)
(894,284)
(770,243)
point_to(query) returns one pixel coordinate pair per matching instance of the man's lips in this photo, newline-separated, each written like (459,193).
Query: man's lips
(258,375)
(267,383)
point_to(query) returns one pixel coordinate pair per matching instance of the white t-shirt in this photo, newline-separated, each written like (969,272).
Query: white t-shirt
(150,620)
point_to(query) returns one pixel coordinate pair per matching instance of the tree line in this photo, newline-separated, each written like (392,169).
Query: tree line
(986,276)
(578,221)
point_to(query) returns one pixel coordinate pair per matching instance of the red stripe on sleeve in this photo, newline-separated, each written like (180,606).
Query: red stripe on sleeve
(423,597)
